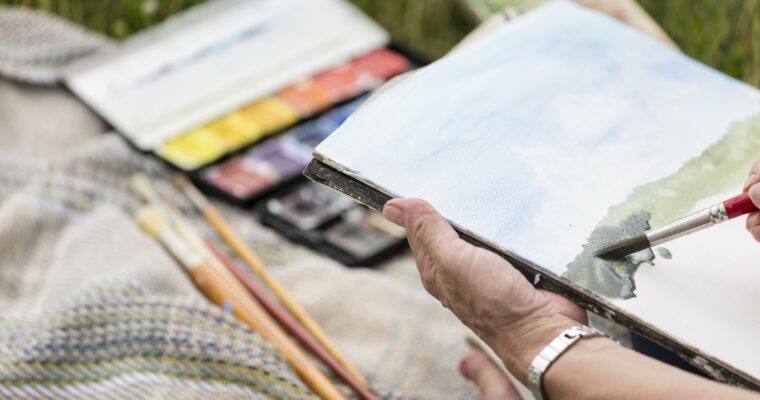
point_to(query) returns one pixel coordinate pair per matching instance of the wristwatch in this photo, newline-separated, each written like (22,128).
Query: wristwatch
(551,352)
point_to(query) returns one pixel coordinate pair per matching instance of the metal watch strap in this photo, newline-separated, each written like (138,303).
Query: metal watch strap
(551,352)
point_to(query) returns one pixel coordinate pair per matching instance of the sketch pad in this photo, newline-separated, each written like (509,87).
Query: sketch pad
(561,132)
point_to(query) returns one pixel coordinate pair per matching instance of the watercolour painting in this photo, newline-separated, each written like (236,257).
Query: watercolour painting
(564,131)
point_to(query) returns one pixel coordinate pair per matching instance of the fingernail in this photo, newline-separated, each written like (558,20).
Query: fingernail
(394,214)
(749,180)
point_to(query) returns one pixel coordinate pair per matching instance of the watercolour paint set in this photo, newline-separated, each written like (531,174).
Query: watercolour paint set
(272,163)
(237,94)
(332,223)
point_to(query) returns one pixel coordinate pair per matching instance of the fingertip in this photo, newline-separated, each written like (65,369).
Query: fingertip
(754,194)
(393,213)
(396,210)
(394,202)
(429,234)
(478,368)
(472,360)
(751,179)
(755,233)
(400,210)
(411,204)
(463,367)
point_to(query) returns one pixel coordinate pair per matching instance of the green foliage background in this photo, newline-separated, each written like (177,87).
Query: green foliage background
(722,33)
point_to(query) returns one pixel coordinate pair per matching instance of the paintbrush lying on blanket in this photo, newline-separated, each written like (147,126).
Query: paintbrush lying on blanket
(290,323)
(142,186)
(254,263)
(223,290)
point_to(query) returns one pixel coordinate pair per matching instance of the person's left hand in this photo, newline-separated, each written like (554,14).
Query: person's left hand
(752,186)
(482,289)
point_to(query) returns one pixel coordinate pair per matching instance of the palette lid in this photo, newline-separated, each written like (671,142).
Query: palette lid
(214,58)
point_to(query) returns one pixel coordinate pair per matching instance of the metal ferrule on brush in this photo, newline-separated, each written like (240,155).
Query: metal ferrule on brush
(183,251)
(686,225)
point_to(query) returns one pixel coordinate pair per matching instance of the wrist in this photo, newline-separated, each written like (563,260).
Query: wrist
(519,344)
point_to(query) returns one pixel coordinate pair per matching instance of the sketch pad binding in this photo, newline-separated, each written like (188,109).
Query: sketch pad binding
(560,133)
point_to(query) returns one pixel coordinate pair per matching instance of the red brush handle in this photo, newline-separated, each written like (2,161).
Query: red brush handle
(739,205)
(289,322)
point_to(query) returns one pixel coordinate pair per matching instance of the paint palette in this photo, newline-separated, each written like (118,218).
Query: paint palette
(238,93)
(228,73)
(269,115)
(276,161)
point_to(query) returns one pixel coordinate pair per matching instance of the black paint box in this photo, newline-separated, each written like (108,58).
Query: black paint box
(333,224)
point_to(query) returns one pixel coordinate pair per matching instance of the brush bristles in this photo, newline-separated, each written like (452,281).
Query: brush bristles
(195,196)
(180,180)
(140,184)
(152,220)
(624,247)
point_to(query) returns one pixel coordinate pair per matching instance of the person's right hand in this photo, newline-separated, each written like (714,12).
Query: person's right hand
(752,186)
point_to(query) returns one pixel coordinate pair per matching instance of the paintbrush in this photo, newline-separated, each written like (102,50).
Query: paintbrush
(141,185)
(225,230)
(720,212)
(224,291)
(290,323)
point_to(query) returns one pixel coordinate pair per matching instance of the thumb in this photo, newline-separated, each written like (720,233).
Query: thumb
(426,229)
(432,239)
(430,236)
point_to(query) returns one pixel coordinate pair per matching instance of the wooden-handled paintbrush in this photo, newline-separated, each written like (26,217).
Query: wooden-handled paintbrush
(721,212)
(290,323)
(225,230)
(224,291)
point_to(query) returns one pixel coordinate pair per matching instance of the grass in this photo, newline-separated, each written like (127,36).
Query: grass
(722,33)
(116,18)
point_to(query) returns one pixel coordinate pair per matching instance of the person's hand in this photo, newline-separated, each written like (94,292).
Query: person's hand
(482,289)
(752,186)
